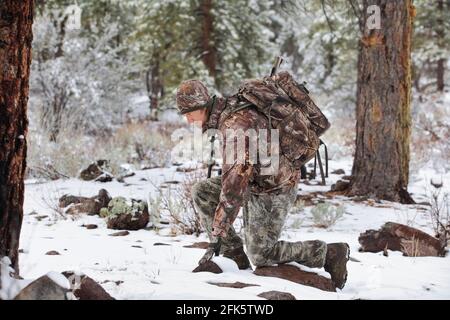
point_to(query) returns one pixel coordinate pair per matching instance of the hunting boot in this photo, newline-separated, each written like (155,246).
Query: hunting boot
(336,263)
(238,255)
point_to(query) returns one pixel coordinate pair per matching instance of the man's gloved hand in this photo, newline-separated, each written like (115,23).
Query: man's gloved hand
(213,249)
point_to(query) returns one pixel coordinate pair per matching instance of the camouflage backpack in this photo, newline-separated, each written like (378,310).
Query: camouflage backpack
(289,109)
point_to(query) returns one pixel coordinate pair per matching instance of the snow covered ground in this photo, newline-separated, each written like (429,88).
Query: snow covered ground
(132,267)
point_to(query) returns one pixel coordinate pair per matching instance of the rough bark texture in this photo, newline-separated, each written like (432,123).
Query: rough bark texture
(383,127)
(399,237)
(16,18)
(209,54)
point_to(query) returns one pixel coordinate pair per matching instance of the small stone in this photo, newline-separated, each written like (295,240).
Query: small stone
(198,245)
(276,295)
(338,171)
(208,266)
(40,218)
(90,226)
(161,244)
(236,285)
(53,253)
(119,234)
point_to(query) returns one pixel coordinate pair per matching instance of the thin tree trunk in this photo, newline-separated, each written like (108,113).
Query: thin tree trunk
(154,87)
(440,67)
(383,127)
(209,53)
(16,18)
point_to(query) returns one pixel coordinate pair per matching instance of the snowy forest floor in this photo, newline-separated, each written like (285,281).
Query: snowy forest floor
(132,267)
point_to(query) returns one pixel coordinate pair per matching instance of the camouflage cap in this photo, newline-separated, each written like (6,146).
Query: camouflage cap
(192,95)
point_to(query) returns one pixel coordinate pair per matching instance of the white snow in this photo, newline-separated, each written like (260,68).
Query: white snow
(164,272)
(9,286)
(59,279)
(227,265)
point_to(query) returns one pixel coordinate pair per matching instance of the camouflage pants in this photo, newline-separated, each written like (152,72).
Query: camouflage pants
(264,217)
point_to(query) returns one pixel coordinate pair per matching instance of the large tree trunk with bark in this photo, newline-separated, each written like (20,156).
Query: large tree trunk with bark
(16,18)
(383,126)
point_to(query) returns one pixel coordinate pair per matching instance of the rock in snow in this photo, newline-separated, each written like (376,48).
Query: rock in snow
(208,266)
(124,216)
(292,273)
(96,171)
(91,206)
(276,295)
(399,237)
(43,288)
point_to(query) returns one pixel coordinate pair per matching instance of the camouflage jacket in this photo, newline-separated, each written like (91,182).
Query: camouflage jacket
(241,178)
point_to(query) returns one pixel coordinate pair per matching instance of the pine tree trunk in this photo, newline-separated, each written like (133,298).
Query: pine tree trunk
(16,18)
(209,54)
(383,127)
(440,67)
(154,87)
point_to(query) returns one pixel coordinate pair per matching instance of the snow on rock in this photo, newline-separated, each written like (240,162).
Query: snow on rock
(59,279)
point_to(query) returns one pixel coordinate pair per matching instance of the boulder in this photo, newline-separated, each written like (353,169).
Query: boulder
(294,274)
(43,288)
(398,237)
(91,290)
(276,295)
(89,205)
(124,216)
(208,266)
(97,171)
(340,185)
(85,288)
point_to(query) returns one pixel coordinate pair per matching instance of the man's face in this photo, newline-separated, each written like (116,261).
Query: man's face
(197,116)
